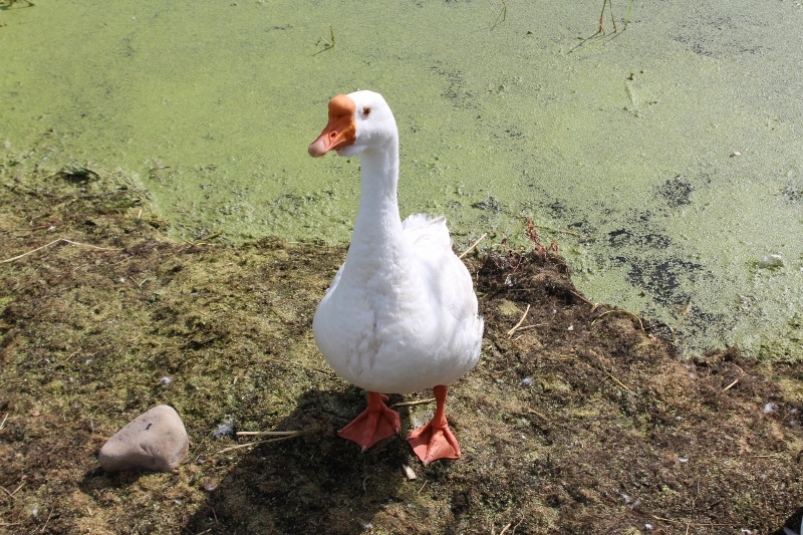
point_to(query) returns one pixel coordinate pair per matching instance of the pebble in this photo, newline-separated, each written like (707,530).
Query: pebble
(155,440)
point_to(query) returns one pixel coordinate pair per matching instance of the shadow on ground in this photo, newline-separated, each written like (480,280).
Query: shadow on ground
(315,484)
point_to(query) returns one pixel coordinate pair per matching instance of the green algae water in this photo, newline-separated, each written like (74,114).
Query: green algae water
(667,159)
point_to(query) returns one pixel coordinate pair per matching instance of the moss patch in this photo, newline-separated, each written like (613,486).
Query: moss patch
(581,421)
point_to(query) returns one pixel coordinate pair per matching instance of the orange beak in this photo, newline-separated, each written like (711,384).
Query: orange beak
(340,131)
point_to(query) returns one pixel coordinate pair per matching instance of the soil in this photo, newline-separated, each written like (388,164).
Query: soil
(581,420)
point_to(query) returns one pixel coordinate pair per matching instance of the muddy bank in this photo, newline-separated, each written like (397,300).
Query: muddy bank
(582,420)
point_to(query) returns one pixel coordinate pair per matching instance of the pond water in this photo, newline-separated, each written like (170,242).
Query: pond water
(666,159)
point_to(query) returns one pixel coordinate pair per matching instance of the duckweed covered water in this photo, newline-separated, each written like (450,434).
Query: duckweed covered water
(669,152)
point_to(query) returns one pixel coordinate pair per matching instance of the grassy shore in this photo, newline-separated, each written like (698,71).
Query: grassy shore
(579,420)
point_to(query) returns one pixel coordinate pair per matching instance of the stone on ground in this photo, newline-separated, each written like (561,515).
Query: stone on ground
(155,440)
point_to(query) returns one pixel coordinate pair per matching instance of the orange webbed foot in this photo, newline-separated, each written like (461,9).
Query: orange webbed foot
(435,440)
(431,443)
(375,423)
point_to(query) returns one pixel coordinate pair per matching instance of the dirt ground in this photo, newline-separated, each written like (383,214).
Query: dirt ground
(580,421)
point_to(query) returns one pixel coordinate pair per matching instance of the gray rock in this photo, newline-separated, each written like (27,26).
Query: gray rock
(155,440)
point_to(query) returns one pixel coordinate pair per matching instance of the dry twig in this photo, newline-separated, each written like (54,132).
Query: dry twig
(248,445)
(523,316)
(473,245)
(268,433)
(411,403)
(621,311)
(48,520)
(689,523)
(734,382)
(54,242)
(583,299)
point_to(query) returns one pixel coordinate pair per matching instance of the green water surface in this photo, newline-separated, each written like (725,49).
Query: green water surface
(672,152)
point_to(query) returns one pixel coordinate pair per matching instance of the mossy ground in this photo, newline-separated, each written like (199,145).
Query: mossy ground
(582,421)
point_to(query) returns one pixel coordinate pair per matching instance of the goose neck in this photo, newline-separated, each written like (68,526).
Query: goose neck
(378,220)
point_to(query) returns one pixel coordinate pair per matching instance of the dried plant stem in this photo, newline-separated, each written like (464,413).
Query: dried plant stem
(411,403)
(504,529)
(511,331)
(617,381)
(248,445)
(54,242)
(473,245)
(268,433)
(621,311)
(583,299)
(727,387)
(688,523)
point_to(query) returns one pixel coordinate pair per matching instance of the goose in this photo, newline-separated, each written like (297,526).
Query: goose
(401,313)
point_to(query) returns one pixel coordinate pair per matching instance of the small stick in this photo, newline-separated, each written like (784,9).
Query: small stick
(601,15)
(11,494)
(511,331)
(56,241)
(688,523)
(627,15)
(533,411)
(18,488)
(504,529)
(280,361)
(683,314)
(622,311)
(241,446)
(422,487)
(267,433)
(3,423)
(473,245)
(727,387)
(731,385)
(613,20)
(617,381)
(533,326)
(411,403)
(46,521)
(581,298)
(71,355)
(502,15)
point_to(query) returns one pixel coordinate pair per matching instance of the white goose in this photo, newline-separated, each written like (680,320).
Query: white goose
(401,314)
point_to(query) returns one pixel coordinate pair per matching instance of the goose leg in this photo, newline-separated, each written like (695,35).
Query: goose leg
(373,424)
(434,440)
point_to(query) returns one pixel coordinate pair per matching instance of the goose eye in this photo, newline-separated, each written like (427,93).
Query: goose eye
(366,111)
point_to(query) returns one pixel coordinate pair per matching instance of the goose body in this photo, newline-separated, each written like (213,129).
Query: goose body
(401,314)
(403,319)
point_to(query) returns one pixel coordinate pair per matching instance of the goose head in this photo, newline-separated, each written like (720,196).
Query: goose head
(357,121)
